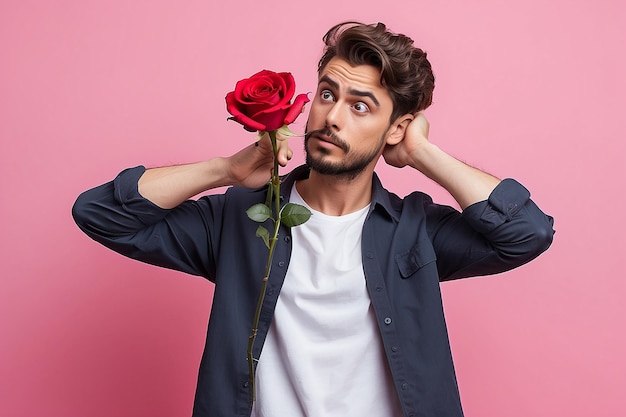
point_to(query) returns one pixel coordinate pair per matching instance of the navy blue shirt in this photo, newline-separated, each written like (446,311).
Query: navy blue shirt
(408,246)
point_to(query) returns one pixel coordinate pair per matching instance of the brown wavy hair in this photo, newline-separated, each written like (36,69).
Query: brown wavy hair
(404,70)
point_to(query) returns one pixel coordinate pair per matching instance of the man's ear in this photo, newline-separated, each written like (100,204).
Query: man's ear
(398,129)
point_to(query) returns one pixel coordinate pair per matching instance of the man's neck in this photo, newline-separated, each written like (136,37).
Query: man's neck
(336,196)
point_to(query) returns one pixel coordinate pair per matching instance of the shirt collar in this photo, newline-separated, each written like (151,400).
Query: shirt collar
(381,198)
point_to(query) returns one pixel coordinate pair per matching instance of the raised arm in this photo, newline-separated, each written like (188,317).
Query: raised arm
(148,215)
(500,227)
(169,186)
(466,184)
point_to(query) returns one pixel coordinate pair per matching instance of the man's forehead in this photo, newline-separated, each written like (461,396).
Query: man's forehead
(341,71)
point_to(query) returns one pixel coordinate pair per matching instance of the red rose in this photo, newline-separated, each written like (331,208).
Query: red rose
(263,101)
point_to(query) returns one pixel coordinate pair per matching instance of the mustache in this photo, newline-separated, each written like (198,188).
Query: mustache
(330,137)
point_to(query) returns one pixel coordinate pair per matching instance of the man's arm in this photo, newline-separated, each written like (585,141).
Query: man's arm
(167,187)
(148,215)
(466,184)
(500,228)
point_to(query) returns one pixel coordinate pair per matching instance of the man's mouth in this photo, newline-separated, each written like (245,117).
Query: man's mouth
(327,137)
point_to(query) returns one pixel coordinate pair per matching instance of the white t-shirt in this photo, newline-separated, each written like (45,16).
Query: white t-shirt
(323,356)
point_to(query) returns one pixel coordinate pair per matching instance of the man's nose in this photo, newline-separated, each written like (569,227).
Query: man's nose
(334,117)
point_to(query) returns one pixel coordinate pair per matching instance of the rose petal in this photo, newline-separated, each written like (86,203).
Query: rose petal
(248,123)
(296,108)
(273,119)
(289,85)
(261,91)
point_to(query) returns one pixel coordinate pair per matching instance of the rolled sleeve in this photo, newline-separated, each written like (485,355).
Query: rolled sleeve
(509,231)
(505,201)
(117,216)
(116,208)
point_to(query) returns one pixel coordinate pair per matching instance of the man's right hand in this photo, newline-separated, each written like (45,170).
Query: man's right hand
(252,166)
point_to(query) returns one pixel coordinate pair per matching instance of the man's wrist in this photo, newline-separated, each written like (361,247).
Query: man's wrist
(423,156)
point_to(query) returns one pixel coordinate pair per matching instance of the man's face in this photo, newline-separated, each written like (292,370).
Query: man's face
(348,123)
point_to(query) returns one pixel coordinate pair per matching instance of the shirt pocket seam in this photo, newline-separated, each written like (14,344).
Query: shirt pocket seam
(413,260)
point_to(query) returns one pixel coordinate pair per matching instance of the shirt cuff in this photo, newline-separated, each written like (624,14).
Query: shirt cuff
(126,192)
(504,202)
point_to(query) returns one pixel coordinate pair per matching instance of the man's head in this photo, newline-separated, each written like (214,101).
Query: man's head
(370,84)
(404,69)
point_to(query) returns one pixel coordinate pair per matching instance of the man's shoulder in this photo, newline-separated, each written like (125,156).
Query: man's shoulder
(392,202)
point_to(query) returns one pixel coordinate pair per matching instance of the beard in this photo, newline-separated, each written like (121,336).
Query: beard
(350,167)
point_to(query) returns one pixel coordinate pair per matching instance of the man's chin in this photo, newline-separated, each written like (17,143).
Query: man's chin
(338,170)
(322,165)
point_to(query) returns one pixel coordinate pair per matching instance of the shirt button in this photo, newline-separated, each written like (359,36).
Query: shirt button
(370,255)
(394,348)
(270,291)
(287,239)
(387,320)
(281,263)
(379,289)
(246,384)
(404,386)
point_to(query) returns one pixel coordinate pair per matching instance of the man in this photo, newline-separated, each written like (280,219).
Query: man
(352,323)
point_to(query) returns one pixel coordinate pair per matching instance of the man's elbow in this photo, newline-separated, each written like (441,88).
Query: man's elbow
(91,212)
(544,235)
(538,238)
(80,211)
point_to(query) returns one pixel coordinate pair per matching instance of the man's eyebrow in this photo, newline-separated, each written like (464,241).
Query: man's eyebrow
(326,79)
(334,84)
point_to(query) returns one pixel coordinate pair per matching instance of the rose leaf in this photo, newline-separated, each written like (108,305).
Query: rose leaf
(264,234)
(259,213)
(294,214)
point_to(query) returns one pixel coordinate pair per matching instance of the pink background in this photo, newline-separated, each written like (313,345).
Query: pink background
(533,90)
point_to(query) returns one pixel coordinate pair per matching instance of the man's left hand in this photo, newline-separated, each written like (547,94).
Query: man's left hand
(416,135)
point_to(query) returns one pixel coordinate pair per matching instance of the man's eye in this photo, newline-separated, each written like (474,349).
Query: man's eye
(327,95)
(360,107)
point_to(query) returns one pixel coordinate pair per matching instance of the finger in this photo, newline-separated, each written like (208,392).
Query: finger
(421,124)
(284,152)
(264,140)
(280,136)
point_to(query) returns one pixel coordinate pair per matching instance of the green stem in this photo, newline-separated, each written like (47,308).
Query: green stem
(274,191)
